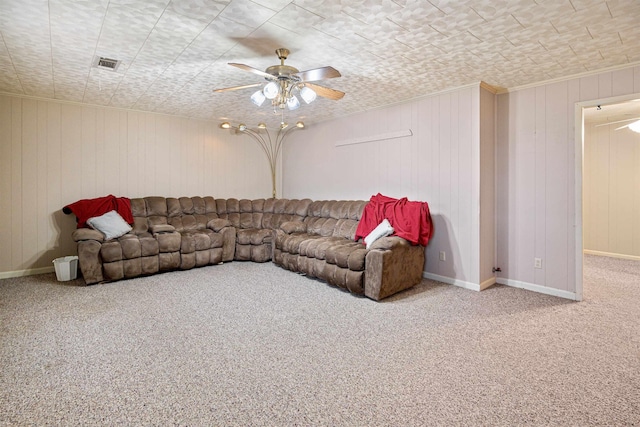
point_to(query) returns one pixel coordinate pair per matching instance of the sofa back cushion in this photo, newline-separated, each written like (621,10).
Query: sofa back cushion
(229,209)
(257,213)
(337,218)
(190,213)
(268,214)
(139,211)
(156,210)
(246,213)
(324,217)
(349,213)
(275,212)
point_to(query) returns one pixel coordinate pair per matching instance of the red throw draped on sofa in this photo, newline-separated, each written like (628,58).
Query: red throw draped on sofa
(410,220)
(88,208)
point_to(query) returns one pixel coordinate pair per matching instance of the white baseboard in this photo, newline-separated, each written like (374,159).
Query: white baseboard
(508,282)
(538,288)
(451,281)
(28,272)
(612,255)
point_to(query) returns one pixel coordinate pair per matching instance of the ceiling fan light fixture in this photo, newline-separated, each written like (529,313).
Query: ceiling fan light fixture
(225,125)
(258,98)
(308,94)
(271,90)
(282,81)
(635,126)
(293,103)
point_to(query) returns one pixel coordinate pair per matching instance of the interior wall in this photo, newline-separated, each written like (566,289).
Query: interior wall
(536,166)
(54,153)
(611,213)
(487,167)
(439,164)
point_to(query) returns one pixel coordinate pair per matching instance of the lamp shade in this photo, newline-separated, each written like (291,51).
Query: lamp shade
(308,94)
(293,103)
(258,98)
(271,90)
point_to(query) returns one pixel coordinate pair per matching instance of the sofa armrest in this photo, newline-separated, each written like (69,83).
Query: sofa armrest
(293,227)
(218,224)
(392,265)
(90,261)
(162,228)
(87,234)
(389,243)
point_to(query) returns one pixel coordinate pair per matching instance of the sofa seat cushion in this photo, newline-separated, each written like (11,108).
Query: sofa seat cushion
(111,251)
(200,240)
(130,246)
(290,243)
(168,242)
(253,236)
(317,247)
(216,239)
(339,251)
(148,246)
(347,254)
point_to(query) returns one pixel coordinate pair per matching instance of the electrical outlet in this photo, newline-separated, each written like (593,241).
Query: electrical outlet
(537,262)
(443,256)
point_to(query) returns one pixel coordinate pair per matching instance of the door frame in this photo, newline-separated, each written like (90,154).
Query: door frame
(579,176)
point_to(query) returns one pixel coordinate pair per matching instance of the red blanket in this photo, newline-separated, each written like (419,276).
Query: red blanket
(410,220)
(88,208)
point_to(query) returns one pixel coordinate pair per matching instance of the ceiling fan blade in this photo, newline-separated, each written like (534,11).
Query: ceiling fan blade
(226,89)
(326,92)
(252,70)
(617,121)
(318,74)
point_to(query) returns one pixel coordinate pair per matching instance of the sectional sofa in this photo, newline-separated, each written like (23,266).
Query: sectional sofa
(315,238)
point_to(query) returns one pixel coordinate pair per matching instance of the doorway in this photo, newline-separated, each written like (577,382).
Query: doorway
(609,112)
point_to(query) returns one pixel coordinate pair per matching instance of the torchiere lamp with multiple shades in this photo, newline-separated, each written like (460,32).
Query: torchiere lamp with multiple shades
(270,145)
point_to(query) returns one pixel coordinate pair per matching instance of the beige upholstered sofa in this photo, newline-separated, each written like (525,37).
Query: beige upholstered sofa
(310,237)
(168,234)
(322,246)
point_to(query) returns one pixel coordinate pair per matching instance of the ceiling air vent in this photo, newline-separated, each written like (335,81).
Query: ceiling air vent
(106,63)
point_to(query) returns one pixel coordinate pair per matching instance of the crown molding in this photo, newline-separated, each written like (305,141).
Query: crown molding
(567,78)
(108,107)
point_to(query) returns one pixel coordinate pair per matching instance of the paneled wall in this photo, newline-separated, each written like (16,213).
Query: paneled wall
(536,164)
(54,153)
(439,163)
(611,213)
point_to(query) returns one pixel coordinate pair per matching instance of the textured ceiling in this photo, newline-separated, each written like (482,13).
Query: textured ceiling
(176,52)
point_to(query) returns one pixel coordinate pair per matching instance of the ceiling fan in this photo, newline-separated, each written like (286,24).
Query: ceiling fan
(284,81)
(634,125)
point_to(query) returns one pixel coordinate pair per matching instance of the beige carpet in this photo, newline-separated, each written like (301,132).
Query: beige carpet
(255,345)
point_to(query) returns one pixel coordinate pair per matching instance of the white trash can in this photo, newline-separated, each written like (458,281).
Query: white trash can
(66,268)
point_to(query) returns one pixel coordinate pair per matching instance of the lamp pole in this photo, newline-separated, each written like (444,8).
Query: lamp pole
(270,146)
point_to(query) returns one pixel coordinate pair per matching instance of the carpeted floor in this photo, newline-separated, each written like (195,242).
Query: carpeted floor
(255,345)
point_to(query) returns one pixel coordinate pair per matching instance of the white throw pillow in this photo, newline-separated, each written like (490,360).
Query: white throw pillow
(383,229)
(111,224)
